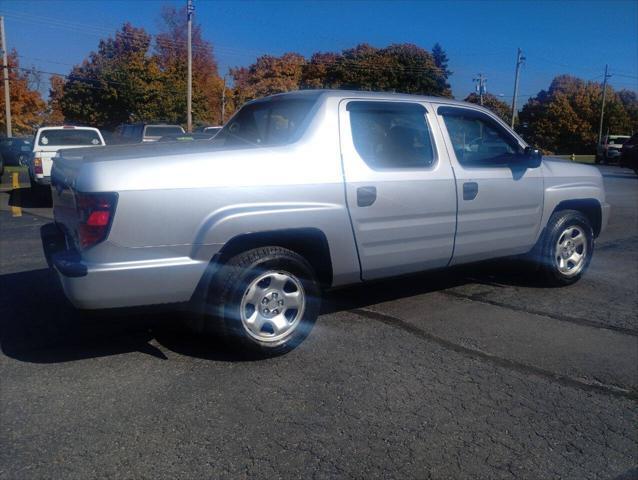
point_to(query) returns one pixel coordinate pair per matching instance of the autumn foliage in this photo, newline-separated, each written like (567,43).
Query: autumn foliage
(27,106)
(135,76)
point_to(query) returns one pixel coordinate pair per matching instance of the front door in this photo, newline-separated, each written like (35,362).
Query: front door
(400,192)
(500,194)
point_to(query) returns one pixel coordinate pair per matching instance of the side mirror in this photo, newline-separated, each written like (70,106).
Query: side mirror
(533,156)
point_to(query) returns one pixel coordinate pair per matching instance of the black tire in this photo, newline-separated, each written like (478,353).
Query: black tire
(549,256)
(223,295)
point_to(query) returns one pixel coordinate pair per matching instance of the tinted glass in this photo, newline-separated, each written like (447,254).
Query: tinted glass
(618,140)
(267,123)
(69,137)
(391,135)
(159,131)
(477,139)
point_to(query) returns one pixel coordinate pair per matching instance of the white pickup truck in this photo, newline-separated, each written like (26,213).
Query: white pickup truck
(48,140)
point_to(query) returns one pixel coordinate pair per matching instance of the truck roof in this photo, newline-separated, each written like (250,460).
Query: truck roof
(333,93)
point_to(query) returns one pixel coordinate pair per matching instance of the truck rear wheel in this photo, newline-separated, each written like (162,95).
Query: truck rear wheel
(266,299)
(567,247)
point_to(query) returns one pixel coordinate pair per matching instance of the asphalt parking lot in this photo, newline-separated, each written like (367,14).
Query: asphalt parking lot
(480,372)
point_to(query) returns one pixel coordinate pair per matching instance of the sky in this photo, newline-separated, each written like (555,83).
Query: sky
(575,37)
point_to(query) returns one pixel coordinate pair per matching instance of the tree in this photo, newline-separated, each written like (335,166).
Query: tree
(499,107)
(404,68)
(629,99)
(54,114)
(268,75)
(441,61)
(27,106)
(171,54)
(118,83)
(565,118)
(319,72)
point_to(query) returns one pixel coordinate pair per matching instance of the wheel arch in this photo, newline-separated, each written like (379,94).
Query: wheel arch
(590,207)
(310,242)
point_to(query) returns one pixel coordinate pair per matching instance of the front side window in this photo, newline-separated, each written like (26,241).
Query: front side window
(267,123)
(391,134)
(478,139)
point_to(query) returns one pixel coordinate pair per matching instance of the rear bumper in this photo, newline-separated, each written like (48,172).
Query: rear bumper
(42,180)
(122,284)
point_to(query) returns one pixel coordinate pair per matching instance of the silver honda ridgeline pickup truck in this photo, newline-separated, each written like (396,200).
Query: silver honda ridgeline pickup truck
(310,190)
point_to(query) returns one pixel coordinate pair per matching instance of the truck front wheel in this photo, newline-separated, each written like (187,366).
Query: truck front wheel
(266,299)
(567,247)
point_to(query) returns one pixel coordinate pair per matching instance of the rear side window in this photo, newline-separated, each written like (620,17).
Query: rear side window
(391,134)
(69,136)
(267,123)
(160,131)
(478,139)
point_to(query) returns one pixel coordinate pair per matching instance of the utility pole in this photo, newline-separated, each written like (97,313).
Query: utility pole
(189,95)
(224,101)
(481,88)
(519,61)
(602,108)
(5,74)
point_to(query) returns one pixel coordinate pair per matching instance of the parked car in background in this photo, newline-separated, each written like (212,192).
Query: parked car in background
(211,130)
(311,190)
(145,132)
(15,150)
(629,153)
(609,150)
(47,142)
(186,137)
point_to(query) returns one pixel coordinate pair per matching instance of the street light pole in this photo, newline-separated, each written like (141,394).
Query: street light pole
(189,95)
(5,74)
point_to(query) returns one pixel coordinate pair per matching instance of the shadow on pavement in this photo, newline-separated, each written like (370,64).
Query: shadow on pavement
(46,328)
(39,325)
(28,198)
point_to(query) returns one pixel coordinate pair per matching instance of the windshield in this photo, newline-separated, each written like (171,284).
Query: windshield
(266,123)
(69,136)
(161,130)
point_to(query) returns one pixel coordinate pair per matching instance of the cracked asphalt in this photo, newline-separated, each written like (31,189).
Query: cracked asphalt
(477,372)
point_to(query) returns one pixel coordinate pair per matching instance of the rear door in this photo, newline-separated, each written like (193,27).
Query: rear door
(399,189)
(500,196)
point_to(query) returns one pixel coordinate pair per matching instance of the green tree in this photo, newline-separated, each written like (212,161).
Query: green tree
(441,61)
(492,102)
(27,106)
(119,83)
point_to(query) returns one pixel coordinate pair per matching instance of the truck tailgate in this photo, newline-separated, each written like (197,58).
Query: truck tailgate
(63,178)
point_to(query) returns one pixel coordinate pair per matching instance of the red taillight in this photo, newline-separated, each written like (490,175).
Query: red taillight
(95,212)
(37,165)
